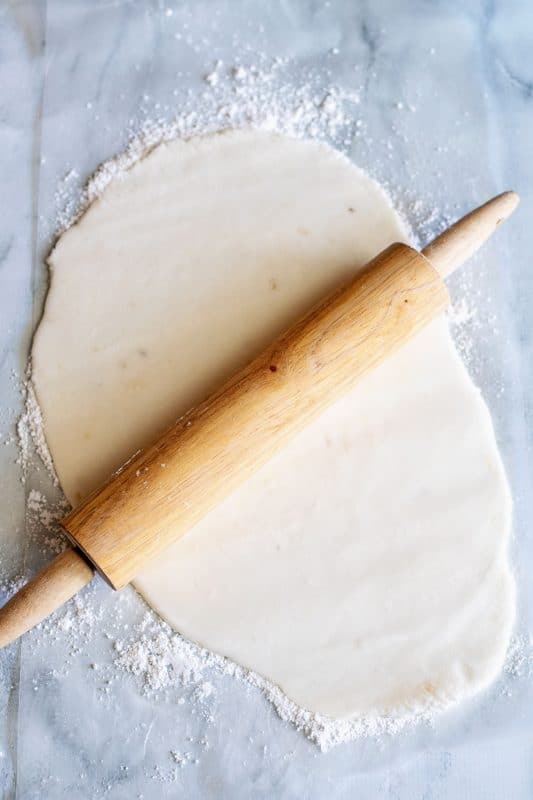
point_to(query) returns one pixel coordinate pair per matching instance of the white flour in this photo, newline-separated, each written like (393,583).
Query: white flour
(162,658)
(30,431)
(261,95)
(157,658)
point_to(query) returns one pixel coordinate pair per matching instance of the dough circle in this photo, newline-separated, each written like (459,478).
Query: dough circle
(364,569)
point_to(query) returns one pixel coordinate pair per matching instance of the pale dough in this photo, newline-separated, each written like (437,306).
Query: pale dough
(364,569)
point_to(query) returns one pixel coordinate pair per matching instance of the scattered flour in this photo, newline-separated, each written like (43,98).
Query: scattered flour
(42,521)
(464,321)
(519,662)
(260,95)
(30,431)
(161,658)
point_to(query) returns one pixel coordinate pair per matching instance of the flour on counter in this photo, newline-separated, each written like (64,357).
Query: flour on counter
(42,521)
(235,97)
(30,432)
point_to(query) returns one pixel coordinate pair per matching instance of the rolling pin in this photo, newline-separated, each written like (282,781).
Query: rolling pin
(163,491)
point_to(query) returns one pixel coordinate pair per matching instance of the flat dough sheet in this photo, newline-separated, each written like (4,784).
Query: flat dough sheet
(363,569)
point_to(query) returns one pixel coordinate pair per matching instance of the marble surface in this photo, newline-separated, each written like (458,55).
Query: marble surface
(447,107)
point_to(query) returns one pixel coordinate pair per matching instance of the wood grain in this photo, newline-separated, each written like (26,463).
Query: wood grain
(165,490)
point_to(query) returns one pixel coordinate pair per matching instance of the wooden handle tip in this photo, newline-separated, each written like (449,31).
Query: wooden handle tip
(46,592)
(504,205)
(457,243)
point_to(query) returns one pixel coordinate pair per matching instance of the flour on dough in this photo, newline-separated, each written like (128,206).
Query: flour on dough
(363,569)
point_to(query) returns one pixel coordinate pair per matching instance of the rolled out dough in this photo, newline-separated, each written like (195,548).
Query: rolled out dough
(364,569)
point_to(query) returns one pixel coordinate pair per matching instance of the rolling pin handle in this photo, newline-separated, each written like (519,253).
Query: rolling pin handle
(47,591)
(461,240)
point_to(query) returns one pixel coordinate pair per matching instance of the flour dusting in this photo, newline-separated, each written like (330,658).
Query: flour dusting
(262,95)
(30,432)
(161,658)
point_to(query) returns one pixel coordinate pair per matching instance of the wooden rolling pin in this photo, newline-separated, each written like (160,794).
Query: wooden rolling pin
(163,491)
